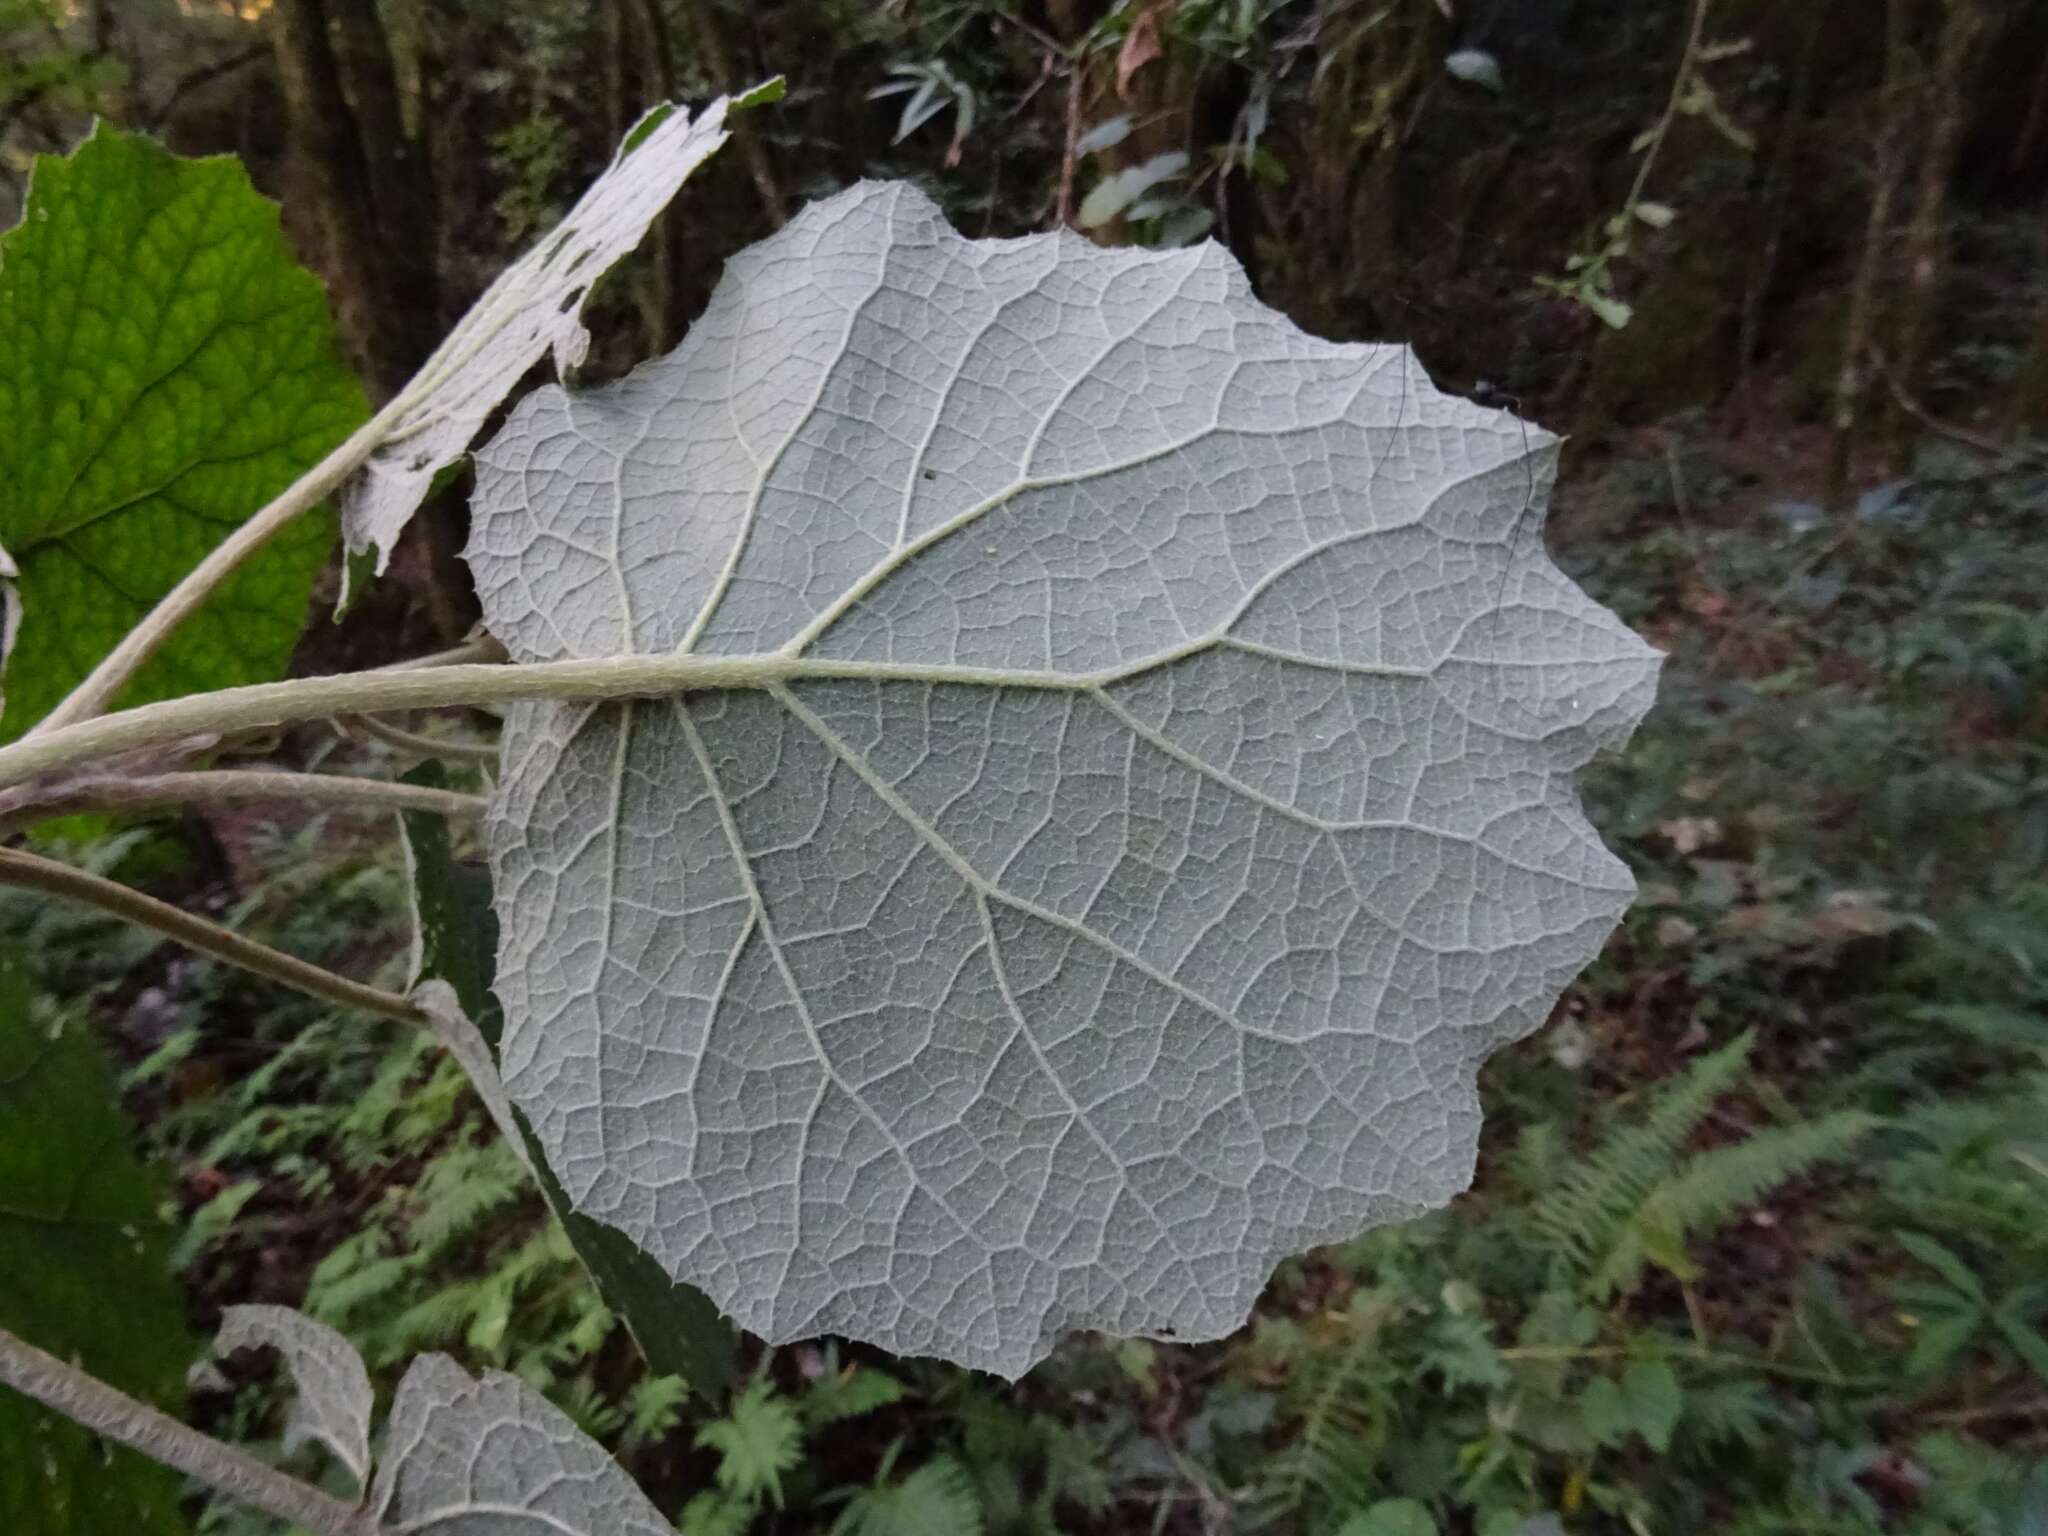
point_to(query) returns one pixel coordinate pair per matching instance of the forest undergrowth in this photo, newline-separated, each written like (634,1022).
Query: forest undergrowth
(1759,1232)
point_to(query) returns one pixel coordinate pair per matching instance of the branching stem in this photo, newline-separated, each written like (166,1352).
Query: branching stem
(225,786)
(351,693)
(416,744)
(117,1416)
(33,872)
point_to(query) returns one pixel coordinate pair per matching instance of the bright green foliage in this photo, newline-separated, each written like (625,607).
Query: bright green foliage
(99,1291)
(1392,1517)
(846,1393)
(1710,1188)
(165,370)
(1646,1401)
(1600,1193)
(1634,1200)
(938,1496)
(757,1441)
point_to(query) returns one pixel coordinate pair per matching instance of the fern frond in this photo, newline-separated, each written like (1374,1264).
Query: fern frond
(839,1394)
(1716,1185)
(1583,1217)
(757,1442)
(463,1188)
(938,1496)
(1330,1466)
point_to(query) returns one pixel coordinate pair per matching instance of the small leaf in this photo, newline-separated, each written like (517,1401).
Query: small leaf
(757,1441)
(1392,1517)
(1104,135)
(1656,215)
(1655,1402)
(1613,312)
(937,1498)
(464,1455)
(1605,1411)
(166,369)
(534,307)
(1945,1262)
(1113,194)
(1476,66)
(767,93)
(333,1399)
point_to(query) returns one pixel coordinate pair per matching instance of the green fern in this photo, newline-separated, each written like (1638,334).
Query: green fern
(937,1497)
(757,1442)
(715,1514)
(1585,1214)
(1714,1186)
(846,1393)
(1338,1404)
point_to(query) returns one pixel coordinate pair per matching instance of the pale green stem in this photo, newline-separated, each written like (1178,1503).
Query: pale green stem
(33,872)
(416,744)
(225,786)
(115,1415)
(351,693)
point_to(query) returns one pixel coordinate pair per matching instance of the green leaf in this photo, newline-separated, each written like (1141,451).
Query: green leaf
(839,1395)
(165,370)
(1944,1262)
(1612,312)
(1655,1401)
(758,1441)
(1392,1517)
(86,1277)
(455,939)
(938,1496)
(767,93)
(1605,1411)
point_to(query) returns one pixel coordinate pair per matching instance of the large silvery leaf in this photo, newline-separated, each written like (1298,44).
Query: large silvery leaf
(1149,796)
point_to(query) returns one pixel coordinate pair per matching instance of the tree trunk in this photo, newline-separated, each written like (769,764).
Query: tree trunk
(368,187)
(709,32)
(333,179)
(1946,110)
(1886,173)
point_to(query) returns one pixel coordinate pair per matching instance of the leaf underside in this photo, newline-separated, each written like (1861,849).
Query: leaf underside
(1199,813)
(332,1399)
(534,307)
(488,1456)
(165,370)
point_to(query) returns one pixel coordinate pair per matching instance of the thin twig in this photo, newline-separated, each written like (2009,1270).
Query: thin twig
(1933,423)
(33,872)
(117,1416)
(482,648)
(31,803)
(416,744)
(1070,154)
